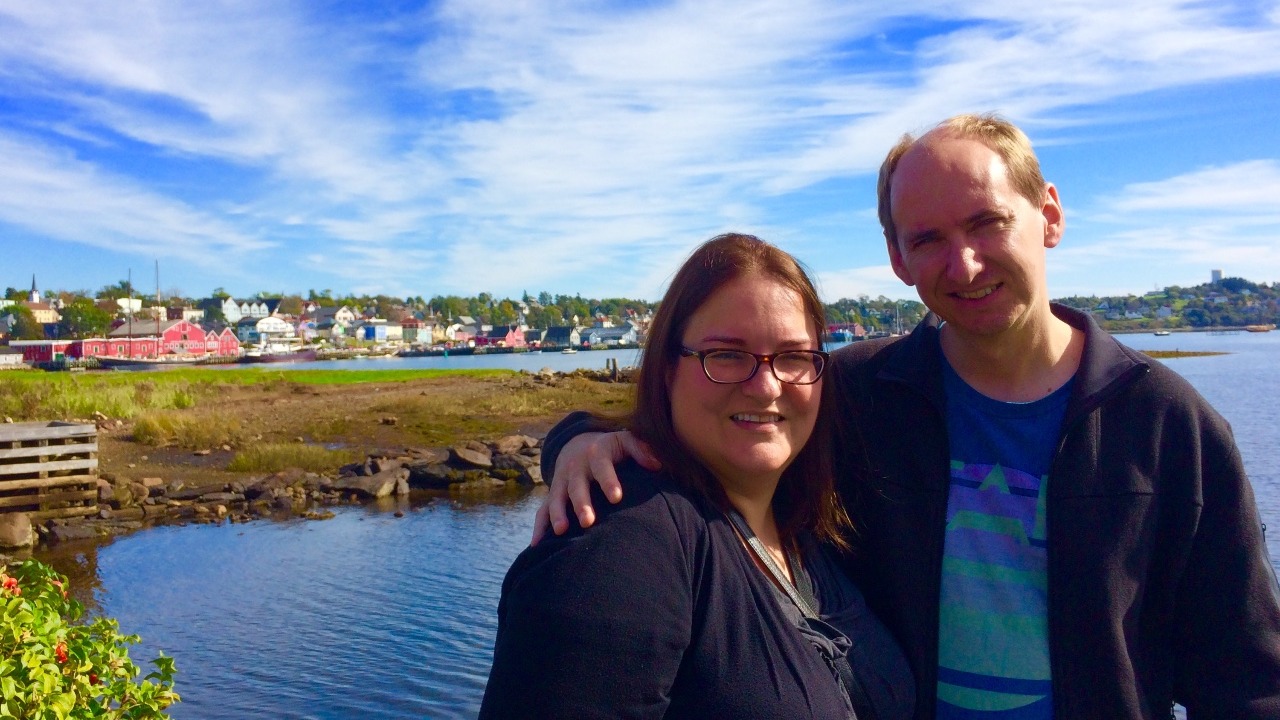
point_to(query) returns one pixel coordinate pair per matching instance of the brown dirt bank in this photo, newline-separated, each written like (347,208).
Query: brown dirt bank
(360,418)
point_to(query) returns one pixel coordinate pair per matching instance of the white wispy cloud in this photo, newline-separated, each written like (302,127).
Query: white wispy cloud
(483,144)
(1173,231)
(1251,188)
(47,191)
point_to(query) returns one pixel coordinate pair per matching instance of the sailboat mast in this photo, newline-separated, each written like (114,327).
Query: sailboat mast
(129,291)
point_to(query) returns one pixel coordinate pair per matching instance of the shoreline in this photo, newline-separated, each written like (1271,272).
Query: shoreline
(406,436)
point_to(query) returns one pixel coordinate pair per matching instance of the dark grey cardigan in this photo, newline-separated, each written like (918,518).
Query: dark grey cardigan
(658,612)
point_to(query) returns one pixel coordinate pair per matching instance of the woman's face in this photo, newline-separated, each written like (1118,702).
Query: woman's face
(746,433)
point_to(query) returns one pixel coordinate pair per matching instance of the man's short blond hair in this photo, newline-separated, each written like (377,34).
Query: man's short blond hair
(1002,136)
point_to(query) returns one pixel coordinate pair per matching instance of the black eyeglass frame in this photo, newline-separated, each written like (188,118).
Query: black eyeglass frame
(702,360)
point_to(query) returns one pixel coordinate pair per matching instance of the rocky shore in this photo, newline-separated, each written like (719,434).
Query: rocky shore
(129,504)
(126,504)
(471,435)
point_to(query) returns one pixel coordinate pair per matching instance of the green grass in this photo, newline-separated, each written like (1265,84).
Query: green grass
(192,432)
(59,395)
(274,457)
(355,377)
(64,396)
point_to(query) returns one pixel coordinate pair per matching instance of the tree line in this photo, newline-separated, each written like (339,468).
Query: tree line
(1231,302)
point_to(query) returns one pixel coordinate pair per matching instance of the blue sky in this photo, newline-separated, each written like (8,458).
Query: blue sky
(504,146)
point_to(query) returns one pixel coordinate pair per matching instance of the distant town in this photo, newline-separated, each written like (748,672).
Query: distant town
(120,324)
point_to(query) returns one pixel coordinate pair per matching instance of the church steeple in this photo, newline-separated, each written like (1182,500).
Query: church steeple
(35,294)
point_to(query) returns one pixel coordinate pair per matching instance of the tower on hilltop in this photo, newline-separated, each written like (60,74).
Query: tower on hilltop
(34,296)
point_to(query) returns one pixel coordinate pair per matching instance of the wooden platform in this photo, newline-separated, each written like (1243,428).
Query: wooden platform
(49,469)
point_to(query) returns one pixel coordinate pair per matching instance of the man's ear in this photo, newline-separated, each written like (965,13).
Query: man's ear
(1055,220)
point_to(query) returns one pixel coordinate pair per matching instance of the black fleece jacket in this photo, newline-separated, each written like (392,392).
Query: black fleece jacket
(1160,588)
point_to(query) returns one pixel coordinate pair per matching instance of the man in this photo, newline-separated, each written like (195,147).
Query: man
(1052,525)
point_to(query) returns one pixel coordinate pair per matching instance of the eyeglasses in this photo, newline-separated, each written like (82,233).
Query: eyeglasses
(727,367)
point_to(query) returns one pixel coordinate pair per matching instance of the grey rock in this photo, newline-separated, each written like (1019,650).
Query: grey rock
(513,462)
(532,475)
(16,531)
(468,456)
(382,464)
(510,444)
(196,492)
(222,497)
(431,475)
(67,533)
(376,486)
(352,469)
(429,455)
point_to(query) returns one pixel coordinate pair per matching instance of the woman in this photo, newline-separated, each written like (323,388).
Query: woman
(711,590)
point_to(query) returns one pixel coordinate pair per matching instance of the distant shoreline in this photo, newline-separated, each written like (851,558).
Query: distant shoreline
(1218,329)
(1174,354)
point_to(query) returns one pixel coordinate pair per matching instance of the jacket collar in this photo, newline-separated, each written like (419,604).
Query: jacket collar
(1105,365)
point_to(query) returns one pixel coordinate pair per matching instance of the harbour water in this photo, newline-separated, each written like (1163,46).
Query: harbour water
(373,615)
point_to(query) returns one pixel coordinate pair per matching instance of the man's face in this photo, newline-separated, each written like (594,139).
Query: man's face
(973,247)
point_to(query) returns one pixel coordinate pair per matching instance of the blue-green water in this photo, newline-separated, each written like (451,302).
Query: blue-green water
(370,615)
(363,615)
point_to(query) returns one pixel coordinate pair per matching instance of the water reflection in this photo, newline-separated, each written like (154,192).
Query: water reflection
(386,610)
(370,614)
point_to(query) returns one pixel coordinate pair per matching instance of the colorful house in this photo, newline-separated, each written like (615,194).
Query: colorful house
(561,336)
(502,336)
(223,342)
(624,335)
(44,351)
(264,330)
(373,330)
(176,337)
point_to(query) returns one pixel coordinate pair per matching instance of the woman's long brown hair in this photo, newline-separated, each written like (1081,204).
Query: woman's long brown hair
(806,497)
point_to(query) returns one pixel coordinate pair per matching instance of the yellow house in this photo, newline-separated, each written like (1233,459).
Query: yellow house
(43,312)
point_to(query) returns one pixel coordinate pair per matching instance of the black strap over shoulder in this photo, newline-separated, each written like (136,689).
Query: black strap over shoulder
(801,593)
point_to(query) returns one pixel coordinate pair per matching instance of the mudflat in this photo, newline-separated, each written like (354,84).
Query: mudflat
(204,426)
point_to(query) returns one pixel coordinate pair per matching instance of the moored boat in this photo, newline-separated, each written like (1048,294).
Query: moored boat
(1161,333)
(125,363)
(278,356)
(1259,328)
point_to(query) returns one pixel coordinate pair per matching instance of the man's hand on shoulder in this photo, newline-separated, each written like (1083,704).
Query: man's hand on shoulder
(586,458)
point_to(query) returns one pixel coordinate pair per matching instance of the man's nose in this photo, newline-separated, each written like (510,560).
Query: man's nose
(965,261)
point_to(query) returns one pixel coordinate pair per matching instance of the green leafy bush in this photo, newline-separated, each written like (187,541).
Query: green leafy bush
(54,668)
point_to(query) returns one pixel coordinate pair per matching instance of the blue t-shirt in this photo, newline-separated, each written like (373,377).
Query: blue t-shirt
(993,654)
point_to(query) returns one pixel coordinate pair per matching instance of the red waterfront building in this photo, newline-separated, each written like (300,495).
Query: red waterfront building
(38,351)
(141,339)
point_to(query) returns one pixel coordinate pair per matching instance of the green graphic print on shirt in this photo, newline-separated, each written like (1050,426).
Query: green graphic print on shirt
(993,660)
